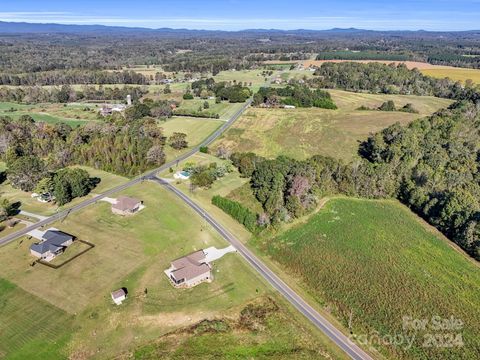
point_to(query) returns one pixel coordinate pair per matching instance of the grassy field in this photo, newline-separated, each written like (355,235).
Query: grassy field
(301,133)
(30,327)
(276,335)
(72,114)
(225,110)
(131,252)
(373,262)
(107,181)
(454,74)
(197,130)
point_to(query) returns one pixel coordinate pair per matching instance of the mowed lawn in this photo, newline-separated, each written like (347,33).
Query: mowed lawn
(130,252)
(374,262)
(30,328)
(304,132)
(107,181)
(458,74)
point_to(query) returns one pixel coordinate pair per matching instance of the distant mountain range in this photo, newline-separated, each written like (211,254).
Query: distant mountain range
(35,28)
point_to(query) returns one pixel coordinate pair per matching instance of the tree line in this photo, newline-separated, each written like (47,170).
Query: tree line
(389,79)
(72,77)
(66,93)
(298,95)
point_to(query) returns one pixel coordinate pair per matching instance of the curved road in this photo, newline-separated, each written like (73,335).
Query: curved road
(342,341)
(318,320)
(66,212)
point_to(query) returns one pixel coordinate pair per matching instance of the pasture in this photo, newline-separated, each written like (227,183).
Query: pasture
(72,114)
(224,109)
(373,262)
(304,132)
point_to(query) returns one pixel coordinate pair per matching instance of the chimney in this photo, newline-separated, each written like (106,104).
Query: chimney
(129,100)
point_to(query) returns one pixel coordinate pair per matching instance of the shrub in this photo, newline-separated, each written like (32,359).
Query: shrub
(237,211)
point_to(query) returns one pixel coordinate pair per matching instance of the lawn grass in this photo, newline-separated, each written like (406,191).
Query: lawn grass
(372,263)
(31,328)
(132,252)
(301,133)
(458,74)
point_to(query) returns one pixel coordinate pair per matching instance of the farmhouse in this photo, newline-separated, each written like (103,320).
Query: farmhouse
(118,296)
(189,270)
(52,243)
(125,205)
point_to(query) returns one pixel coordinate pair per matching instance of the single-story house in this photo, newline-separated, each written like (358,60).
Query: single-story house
(111,108)
(125,205)
(189,270)
(52,243)
(118,296)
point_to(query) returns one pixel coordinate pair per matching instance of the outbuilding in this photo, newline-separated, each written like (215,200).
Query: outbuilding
(118,296)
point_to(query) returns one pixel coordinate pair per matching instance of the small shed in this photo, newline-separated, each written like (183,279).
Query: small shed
(118,296)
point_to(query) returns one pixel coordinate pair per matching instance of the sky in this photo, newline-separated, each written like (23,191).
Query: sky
(436,15)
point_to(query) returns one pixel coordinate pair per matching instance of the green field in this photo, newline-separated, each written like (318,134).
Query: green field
(72,114)
(373,262)
(301,133)
(225,110)
(197,130)
(458,74)
(30,328)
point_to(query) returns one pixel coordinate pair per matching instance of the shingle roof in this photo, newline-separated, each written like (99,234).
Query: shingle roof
(118,293)
(125,203)
(54,240)
(190,266)
(190,272)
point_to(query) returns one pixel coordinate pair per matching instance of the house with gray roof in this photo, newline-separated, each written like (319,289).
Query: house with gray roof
(53,242)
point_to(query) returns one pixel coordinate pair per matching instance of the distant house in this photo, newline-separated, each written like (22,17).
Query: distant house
(118,296)
(181,175)
(289,107)
(189,270)
(52,243)
(109,109)
(125,205)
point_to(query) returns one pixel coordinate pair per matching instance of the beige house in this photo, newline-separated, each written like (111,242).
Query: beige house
(125,205)
(189,270)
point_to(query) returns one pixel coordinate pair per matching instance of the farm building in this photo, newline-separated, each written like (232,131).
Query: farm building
(125,205)
(118,296)
(189,270)
(52,243)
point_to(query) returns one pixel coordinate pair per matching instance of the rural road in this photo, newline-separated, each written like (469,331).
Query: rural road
(62,214)
(342,341)
(318,320)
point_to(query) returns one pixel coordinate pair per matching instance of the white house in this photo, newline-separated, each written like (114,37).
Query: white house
(118,296)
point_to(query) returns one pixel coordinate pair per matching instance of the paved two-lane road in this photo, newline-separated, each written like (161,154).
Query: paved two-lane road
(61,214)
(342,341)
